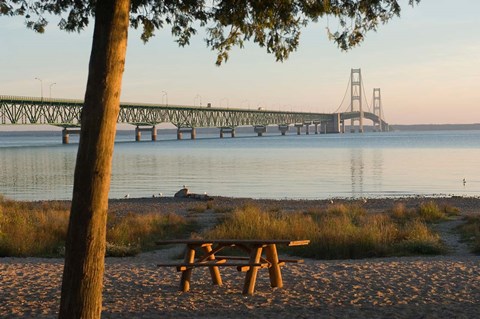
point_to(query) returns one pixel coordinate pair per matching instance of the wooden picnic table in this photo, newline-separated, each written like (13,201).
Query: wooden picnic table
(250,263)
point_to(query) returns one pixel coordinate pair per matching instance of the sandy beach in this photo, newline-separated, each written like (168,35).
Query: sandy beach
(408,287)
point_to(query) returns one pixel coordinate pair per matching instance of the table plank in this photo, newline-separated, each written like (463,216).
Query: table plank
(230,242)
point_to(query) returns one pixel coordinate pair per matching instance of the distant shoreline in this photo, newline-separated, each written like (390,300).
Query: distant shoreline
(435,127)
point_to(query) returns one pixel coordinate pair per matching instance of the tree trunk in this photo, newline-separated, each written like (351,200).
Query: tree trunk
(85,247)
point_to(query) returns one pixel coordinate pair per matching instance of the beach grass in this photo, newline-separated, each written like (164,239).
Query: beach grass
(429,212)
(128,235)
(39,229)
(198,208)
(32,229)
(470,232)
(338,232)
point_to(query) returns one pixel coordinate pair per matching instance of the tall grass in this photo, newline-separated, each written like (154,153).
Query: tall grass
(341,231)
(39,229)
(250,222)
(128,235)
(470,232)
(429,212)
(32,229)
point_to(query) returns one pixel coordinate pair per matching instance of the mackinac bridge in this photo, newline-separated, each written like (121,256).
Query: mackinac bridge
(66,113)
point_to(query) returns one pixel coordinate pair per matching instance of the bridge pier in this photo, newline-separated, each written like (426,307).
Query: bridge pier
(260,129)
(307,128)
(138,132)
(283,128)
(154,133)
(191,130)
(322,127)
(353,127)
(333,126)
(224,130)
(299,128)
(317,123)
(66,134)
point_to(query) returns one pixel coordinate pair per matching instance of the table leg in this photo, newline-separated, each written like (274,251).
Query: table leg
(274,270)
(187,274)
(214,271)
(251,277)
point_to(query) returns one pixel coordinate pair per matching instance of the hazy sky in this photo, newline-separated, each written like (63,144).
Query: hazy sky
(427,64)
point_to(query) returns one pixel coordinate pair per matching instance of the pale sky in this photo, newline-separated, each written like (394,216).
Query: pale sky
(427,64)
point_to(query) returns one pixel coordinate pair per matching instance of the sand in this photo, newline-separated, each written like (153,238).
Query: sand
(408,287)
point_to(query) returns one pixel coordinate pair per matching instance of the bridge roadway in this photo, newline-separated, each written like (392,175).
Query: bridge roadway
(66,113)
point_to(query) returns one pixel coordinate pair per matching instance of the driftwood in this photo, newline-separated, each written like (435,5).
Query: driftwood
(184,193)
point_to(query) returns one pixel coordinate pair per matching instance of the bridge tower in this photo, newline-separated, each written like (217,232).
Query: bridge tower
(377,109)
(356,98)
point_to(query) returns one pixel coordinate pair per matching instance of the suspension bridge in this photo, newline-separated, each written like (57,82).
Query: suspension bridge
(66,113)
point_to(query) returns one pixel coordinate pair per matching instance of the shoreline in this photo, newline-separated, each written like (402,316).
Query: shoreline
(467,205)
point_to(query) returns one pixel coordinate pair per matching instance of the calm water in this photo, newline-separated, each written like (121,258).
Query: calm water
(36,166)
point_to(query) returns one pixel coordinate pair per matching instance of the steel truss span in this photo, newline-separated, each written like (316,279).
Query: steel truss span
(67,113)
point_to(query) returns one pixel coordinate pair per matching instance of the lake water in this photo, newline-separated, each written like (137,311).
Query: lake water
(36,166)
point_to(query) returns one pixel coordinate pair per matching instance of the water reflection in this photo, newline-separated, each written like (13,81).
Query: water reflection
(36,174)
(315,166)
(356,171)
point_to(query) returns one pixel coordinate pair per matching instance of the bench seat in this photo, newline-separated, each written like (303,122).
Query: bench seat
(240,266)
(281,260)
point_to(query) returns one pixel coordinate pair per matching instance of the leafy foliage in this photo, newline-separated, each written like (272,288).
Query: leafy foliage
(273,24)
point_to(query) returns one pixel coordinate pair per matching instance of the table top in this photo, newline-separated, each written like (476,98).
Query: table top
(285,242)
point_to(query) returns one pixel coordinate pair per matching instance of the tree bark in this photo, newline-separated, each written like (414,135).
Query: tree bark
(86,239)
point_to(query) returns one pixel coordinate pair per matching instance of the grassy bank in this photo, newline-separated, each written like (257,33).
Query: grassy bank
(40,228)
(470,232)
(337,231)
(342,231)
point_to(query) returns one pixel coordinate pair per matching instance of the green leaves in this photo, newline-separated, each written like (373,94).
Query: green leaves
(272,24)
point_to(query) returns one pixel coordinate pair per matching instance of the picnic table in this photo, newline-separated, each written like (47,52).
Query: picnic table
(250,262)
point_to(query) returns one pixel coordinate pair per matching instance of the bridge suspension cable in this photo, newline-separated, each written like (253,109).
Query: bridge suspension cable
(365,96)
(344,96)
